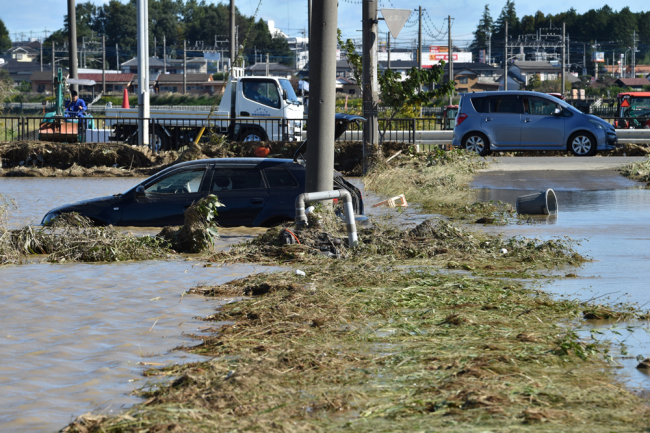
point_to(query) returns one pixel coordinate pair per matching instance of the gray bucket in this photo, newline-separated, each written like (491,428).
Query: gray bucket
(541,203)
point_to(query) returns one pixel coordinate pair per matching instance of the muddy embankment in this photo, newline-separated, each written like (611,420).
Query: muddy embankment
(44,159)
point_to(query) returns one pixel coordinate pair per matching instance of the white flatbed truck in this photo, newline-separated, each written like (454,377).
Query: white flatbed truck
(266,108)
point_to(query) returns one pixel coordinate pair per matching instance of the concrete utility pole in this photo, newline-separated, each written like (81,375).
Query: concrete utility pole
(388,47)
(369,80)
(490,47)
(505,61)
(72,39)
(634,54)
(53,66)
(41,56)
(164,54)
(155,51)
(233,28)
(419,49)
(563,59)
(104,64)
(450,53)
(596,63)
(267,64)
(308,21)
(143,73)
(584,59)
(184,67)
(322,89)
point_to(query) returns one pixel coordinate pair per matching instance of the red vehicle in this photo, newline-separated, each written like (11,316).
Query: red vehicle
(449,117)
(557,95)
(633,104)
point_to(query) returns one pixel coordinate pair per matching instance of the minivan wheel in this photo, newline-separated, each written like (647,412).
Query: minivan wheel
(582,144)
(477,142)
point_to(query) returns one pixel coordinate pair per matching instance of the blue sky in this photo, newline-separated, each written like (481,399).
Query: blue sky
(291,15)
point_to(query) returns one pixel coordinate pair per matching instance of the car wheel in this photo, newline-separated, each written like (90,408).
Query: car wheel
(477,142)
(582,144)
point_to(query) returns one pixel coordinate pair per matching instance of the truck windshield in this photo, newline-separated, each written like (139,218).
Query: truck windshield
(639,106)
(291,95)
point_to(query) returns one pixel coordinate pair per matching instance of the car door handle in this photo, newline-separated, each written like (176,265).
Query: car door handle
(257,200)
(526,120)
(487,119)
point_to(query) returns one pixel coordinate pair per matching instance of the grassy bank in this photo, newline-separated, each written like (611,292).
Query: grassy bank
(639,171)
(385,349)
(437,180)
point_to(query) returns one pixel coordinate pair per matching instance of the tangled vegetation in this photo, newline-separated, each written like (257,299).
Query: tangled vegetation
(198,232)
(71,238)
(639,171)
(437,180)
(433,242)
(375,348)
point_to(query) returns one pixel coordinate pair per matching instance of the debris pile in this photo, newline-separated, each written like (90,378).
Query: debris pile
(199,232)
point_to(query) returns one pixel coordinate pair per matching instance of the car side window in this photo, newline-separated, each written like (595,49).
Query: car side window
(539,106)
(183,182)
(265,93)
(479,104)
(226,179)
(279,177)
(505,104)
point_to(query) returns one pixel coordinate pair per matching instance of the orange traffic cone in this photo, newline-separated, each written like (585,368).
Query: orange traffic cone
(125,99)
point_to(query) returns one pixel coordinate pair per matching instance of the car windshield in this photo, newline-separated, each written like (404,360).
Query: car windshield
(291,95)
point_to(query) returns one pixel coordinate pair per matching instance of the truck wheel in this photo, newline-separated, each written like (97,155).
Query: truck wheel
(252,134)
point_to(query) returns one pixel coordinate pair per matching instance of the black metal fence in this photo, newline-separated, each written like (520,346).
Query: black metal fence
(164,134)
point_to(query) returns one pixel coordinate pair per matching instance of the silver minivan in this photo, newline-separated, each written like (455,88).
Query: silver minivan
(520,120)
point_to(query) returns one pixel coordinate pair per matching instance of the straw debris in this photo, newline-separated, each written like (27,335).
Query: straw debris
(375,348)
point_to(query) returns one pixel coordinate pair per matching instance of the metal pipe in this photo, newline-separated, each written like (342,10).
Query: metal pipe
(350,225)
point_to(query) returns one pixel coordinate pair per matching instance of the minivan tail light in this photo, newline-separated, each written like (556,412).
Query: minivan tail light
(461,117)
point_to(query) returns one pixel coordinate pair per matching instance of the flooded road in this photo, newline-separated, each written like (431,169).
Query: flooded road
(76,337)
(73,335)
(612,226)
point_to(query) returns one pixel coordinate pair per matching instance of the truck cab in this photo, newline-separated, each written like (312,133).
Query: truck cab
(631,105)
(264,100)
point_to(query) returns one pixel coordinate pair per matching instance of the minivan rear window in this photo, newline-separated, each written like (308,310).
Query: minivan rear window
(479,104)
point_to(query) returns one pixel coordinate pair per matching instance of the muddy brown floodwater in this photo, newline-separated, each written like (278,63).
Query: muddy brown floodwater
(76,337)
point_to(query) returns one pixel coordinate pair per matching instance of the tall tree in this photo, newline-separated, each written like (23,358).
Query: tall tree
(482,32)
(5,41)
(508,14)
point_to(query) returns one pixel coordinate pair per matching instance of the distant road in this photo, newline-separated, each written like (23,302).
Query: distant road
(570,163)
(559,173)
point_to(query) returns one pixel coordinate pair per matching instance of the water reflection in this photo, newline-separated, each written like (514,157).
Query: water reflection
(613,228)
(72,335)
